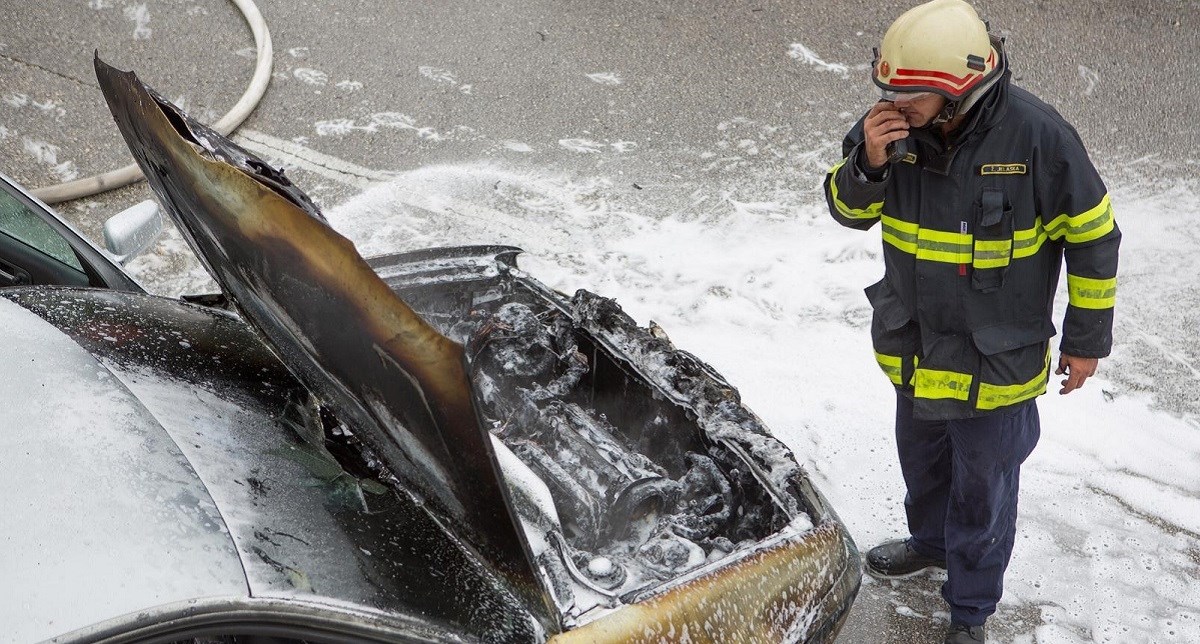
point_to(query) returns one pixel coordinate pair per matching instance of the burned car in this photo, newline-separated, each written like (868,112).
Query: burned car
(429,446)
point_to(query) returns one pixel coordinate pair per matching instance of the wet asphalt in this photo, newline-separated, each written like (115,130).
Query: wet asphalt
(482,73)
(631,89)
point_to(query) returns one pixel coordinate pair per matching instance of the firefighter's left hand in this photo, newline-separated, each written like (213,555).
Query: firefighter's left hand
(1076,369)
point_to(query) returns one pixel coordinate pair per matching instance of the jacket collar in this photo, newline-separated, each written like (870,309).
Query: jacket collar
(989,110)
(936,153)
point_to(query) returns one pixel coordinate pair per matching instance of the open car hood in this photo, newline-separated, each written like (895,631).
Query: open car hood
(331,319)
(615,483)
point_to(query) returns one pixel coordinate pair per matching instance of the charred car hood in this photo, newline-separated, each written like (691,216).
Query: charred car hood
(331,319)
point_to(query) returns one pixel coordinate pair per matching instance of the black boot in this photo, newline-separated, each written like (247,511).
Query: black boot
(963,634)
(895,559)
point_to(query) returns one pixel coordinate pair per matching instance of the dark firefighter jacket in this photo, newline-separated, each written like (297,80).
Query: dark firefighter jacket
(974,234)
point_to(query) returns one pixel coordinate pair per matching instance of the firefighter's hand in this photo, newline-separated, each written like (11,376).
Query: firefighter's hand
(1077,371)
(884,124)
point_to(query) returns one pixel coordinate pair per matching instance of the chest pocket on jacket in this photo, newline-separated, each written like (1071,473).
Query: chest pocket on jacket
(993,240)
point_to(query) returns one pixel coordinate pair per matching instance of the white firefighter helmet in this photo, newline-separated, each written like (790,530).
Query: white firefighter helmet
(940,46)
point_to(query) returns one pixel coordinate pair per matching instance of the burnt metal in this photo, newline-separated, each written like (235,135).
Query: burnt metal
(644,395)
(401,385)
(633,480)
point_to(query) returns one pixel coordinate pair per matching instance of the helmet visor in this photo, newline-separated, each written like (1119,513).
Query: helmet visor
(907,97)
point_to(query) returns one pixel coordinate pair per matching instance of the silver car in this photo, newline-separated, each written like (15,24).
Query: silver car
(430,446)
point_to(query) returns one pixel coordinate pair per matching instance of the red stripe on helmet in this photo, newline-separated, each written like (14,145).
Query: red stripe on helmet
(957,81)
(952,90)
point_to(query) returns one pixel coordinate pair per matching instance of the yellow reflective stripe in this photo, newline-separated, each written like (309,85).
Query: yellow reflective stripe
(1089,293)
(901,234)
(892,366)
(872,211)
(939,237)
(1027,243)
(938,246)
(1087,226)
(995,396)
(906,227)
(934,384)
(927,244)
(992,254)
(960,248)
(953,248)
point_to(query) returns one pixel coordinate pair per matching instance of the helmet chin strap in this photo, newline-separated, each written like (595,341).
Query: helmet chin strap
(949,111)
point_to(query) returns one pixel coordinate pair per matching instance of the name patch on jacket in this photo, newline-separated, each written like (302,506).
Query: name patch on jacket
(1003,168)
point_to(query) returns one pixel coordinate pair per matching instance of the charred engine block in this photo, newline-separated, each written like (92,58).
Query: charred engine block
(638,502)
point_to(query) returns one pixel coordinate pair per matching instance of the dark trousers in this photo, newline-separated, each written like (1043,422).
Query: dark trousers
(962,480)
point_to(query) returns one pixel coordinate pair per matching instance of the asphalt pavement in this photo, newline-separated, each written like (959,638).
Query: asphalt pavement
(638,91)
(394,85)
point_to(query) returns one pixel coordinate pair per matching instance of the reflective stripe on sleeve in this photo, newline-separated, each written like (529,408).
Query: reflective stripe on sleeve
(1089,293)
(873,211)
(933,384)
(893,367)
(1087,226)
(996,396)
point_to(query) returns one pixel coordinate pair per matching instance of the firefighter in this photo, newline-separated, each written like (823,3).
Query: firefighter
(980,190)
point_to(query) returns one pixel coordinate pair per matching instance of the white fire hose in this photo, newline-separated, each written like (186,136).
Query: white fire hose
(254,92)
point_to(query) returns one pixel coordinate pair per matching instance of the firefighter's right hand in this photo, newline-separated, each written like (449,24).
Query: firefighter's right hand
(884,124)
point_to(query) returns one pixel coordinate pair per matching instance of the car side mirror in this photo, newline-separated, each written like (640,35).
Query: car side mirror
(131,231)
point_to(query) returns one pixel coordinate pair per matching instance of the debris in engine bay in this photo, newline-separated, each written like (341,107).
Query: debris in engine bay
(626,520)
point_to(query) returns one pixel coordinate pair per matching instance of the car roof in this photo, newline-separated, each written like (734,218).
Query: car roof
(103,513)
